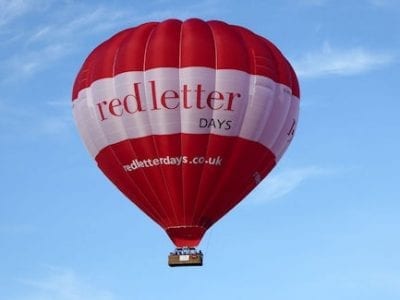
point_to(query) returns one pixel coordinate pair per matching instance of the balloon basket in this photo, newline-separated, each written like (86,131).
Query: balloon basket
(185,257)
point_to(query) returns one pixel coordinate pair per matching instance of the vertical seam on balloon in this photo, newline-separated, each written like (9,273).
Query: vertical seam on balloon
(275,93)
(290,103)
(153,211)
(255,79)
(89,78)
(180,124)
(121,126)
(152,133)
(153,136)
(148,203)
(143,171)
(272,108)
(100,130)
(281,86)
(208,137)
(230,154)
(110,146)
(278,145)
(277,56)
(250,53)
(103,134)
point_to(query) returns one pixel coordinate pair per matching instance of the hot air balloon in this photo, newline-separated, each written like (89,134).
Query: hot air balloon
(186,118)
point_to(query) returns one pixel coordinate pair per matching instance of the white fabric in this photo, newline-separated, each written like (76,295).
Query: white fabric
(188,100)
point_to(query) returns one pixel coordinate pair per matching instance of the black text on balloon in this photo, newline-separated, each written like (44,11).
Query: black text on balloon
(215,123)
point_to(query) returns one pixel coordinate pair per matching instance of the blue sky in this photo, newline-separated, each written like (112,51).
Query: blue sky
(324,225)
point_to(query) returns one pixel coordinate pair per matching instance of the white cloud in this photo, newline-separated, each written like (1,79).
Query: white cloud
(55,125)
(203,9)
(278,185)
(90,20)
(63,103)
(331,61)
(32,61)
(10,10)
(62,284)
(379,3)
(50,41)
(23,122)
(73,24)
(53,38)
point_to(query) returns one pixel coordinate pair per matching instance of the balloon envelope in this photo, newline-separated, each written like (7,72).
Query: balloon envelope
(186,118)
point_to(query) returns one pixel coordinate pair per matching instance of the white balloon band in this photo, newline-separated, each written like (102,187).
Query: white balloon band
(194,100)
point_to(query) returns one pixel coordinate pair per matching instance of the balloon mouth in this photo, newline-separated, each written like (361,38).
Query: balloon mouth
(186,236)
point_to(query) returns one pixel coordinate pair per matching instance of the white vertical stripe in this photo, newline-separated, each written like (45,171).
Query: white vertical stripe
(286,134)
(259,109)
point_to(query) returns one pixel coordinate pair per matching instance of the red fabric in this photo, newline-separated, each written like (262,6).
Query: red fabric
(177,44)
(186,199)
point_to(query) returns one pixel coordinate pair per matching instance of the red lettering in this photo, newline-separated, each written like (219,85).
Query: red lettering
(133,99)
(154,95)
(172,95)
(185,98)
(131,104)
(212,98)
(232,96)
(185,92)
(102,117)
(198,98)
(115,103)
